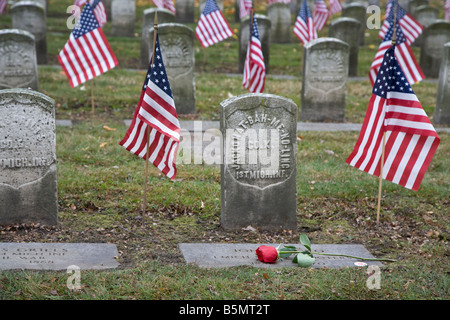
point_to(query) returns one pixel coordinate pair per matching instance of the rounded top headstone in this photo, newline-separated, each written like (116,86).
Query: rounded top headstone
(325,40)
(16,32)
(22,4)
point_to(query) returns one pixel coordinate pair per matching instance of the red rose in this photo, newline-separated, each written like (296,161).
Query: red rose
(267,254)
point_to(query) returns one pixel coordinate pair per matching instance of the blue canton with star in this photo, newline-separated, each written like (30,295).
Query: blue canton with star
(304,11)
(255,32)
(400,12)
(390,33)
(87,22)
(157,72)
(390,76)
(210,6)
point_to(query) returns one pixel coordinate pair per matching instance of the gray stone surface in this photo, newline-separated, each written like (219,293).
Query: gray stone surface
(28,185)
(258,171)
(107,4)
(177,45)
(425,15)
(30,16)
(185,11)
(280,18)
(18,63)
(442,110)
(434,37)
(264,29)
(325,74)
(343,29)
(57,256)
(357,11)
(223,255)
(413,5)
(164,16)
(123,18)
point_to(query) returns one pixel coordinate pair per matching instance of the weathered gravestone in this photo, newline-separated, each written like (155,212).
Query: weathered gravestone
(414,4)
(164,16)
(280,18)
(357,11)
(18,63)
(123,18)
(30,16)
(44,3)
(185,11)
(343,29)
(225,255)
(107,4)
(57,256)
(425,15)
(435,36)
(264,29)
(442,110)
(177,46)
(28,186)
(325,74)
(258,171)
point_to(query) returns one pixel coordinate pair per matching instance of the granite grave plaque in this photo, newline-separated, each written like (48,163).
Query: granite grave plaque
(185,11)
(357,11)
(442,110)
(280,18)
(123,18)
(434,37)
(343,29)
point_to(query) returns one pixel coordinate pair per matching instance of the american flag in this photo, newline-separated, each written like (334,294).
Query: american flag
(404,56)
(245,6)
(447,10)
(335,6)
(304,26)
(87,53)
(410,27)
(254,66)
(320,15)
(155,121)
(410,140)
(3,4)
(212,26)
(99,9)
(165,4)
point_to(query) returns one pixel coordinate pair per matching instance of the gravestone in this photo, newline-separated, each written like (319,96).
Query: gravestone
(177,45)
(264,29)
(343,29)
(28,187)
(44,3)
(442,110)
(57,256)
(18,63)
(123,18)
(164,16)
(225,255)
(325,74)
(434,37)
(258,171)
(185,11)
(280,18)
(425,15)
(414,4)
(357,11)
(30,16)
(107,4)
(202,6)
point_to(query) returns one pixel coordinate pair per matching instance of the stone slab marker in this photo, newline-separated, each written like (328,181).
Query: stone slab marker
(28,186)
(357,11)
(18,62)
(264,28)
(425,15)
(185,11)
(164,16)
(258,171)
(434,37)
(280,18)
(177,46)
(343,29)
(123,18)
(30,16)
(442,110)
(107,4)
(325,74)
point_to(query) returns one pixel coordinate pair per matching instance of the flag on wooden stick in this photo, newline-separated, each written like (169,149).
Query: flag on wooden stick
(304,26)
(320,14)
(395,113)
(87,53)
(245,7)
(212,26)
(98,7)
(335,7)
(165,4)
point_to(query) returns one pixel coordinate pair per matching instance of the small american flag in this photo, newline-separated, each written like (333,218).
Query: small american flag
(320,15)
(87,53)
(98,7)
(245,6)
(254,66)
(410,27)
(155,121)
(212,26)
(447,10)
(3,4)
(411,139)
(304,26)
(165,4)
(335,6)
(404,56)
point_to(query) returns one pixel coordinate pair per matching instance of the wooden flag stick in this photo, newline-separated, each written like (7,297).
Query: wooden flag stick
(92,96)
(250,34)
(155,31)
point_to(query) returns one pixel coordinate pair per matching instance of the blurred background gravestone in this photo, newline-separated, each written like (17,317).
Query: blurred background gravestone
(123,17)
(434,37)
(442,110)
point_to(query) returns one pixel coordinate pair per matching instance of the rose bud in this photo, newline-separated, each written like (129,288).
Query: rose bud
(267,254)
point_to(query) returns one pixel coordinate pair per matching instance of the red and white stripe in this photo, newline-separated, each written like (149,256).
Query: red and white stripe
(99,11)
(245,6)
(410,28)
(3,4)
(254,67)
(335,6)
(278,1)
(86,57)
(305,31)
(447,10)
(405,58)
(212,28)
(165,4)
(320,15)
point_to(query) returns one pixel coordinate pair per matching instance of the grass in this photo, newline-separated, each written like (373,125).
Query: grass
(100,191)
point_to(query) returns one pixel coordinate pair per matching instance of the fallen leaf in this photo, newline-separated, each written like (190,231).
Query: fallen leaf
(103,144)
(108,128)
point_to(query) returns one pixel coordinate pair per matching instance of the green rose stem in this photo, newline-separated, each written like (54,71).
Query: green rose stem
(337,255)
